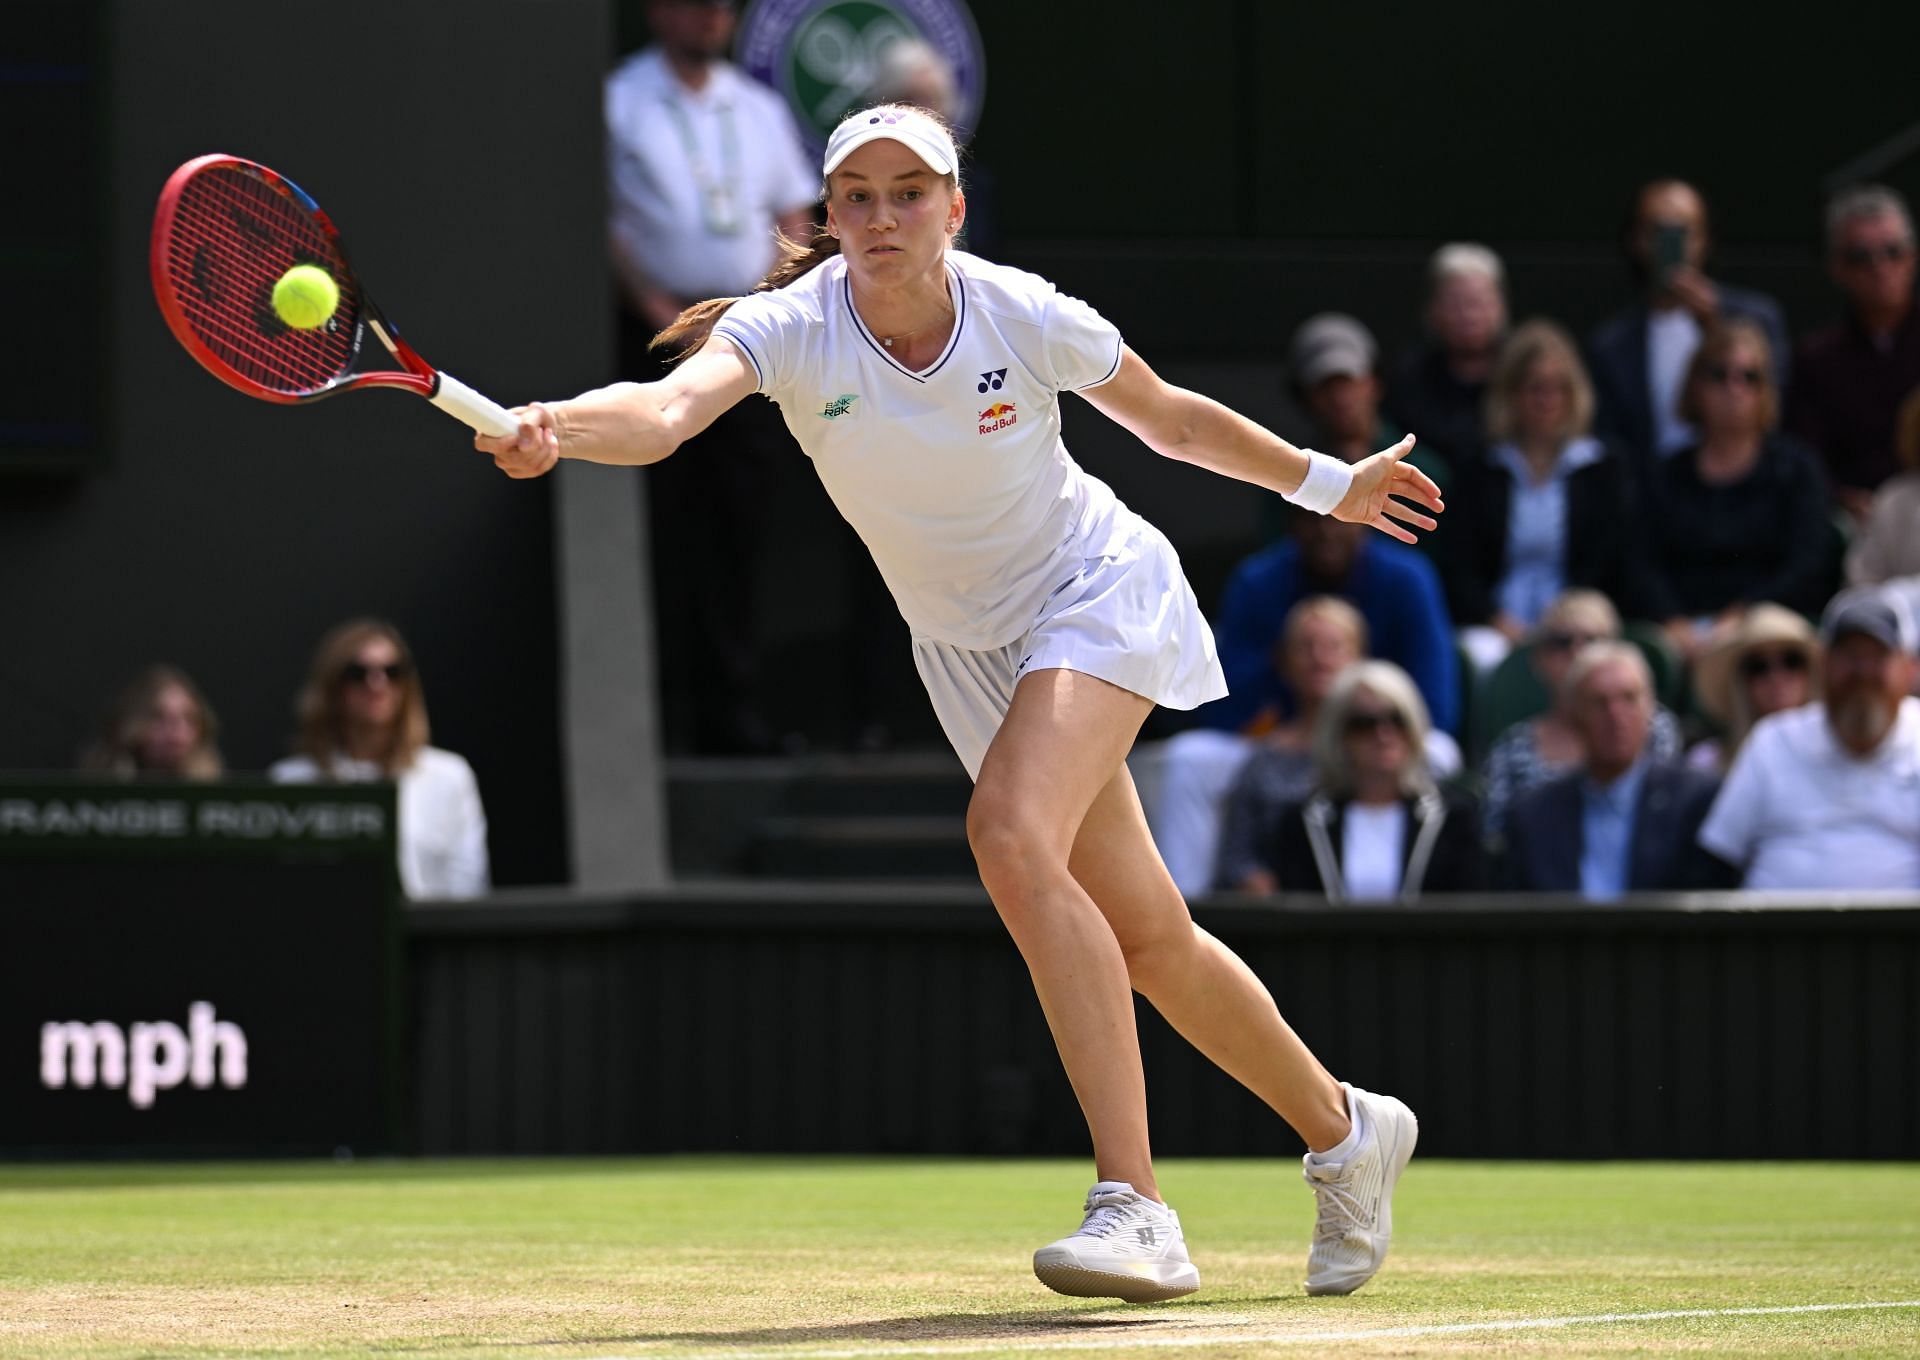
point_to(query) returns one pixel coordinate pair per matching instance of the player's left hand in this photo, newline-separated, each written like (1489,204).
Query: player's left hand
(1377,481)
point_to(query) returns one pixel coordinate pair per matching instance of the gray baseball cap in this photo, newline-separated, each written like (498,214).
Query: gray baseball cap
(1331,345)
(1873,610)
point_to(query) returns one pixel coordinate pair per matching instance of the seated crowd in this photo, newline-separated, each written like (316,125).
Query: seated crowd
(1624,662)
(361,716)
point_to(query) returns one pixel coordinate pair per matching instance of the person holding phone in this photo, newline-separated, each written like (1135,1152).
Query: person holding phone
(1640,355)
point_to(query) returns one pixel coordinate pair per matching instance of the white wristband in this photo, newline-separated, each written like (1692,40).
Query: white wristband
(1325,484)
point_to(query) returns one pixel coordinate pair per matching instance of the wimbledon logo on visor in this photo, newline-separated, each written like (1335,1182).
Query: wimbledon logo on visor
(825,55)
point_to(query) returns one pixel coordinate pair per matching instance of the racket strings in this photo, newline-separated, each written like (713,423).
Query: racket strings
(233,235)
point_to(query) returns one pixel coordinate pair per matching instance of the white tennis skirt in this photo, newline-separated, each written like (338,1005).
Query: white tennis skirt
(1129,618)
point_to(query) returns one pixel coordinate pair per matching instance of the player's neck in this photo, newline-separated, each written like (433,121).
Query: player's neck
(912,321)
(693,72)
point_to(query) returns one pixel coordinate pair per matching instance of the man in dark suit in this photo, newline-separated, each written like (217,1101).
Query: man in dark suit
(1623,822)
(1640,356)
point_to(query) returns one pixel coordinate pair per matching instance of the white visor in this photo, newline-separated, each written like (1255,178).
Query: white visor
(890,122)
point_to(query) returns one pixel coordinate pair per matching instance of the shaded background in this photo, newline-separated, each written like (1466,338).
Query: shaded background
(1207,174)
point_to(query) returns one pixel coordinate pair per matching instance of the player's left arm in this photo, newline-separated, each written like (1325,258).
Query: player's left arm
(1178,423)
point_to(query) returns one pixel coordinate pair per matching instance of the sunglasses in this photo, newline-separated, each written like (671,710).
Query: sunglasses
(1754,665)
(1360,724)
(1859,257)
(1724,375)
(357,673)
(1566,642)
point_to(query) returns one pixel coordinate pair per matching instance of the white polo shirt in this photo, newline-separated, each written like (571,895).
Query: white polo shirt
(955,476)
(1799,811)
(696,179)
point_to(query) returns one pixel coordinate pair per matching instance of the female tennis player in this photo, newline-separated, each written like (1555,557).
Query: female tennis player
(1048,619)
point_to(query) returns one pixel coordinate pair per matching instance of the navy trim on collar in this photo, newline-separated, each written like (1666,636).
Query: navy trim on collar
(957,283)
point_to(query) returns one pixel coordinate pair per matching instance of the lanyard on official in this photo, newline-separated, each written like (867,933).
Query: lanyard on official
(719,208)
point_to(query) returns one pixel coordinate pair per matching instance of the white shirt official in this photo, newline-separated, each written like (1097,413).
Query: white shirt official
(697,179)
(442,826)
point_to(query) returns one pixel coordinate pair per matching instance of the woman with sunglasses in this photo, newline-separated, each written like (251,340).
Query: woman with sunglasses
(1741,515)
(1376,827)
(1765,662)
(362,716)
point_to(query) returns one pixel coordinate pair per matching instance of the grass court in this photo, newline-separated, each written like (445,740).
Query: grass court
(735,1257)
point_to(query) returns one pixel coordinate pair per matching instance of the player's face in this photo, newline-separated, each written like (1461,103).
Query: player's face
(893,215)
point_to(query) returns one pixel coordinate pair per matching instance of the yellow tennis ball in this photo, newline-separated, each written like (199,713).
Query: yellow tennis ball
(305,297)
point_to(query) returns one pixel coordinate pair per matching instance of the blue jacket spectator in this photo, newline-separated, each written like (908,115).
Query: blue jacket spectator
(1640,357)
(1395,588)
(1626,821)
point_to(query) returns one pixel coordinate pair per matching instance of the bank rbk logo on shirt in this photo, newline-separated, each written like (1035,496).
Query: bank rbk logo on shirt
(998,416)
(839,406)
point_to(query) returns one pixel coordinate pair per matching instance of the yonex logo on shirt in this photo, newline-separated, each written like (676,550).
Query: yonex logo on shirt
(998,417)
(839,405)
(993,380)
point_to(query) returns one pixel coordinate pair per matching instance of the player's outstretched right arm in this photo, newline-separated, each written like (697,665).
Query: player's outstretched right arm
(628,424)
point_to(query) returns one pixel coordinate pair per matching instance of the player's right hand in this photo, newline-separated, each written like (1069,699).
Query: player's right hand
(532,450)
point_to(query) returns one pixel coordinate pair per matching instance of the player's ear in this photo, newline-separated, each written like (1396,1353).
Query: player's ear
(956,213)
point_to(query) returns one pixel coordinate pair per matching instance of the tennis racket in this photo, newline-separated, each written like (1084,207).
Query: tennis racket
(224,232)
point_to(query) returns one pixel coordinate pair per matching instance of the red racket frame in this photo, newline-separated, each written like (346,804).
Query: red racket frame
(415,374)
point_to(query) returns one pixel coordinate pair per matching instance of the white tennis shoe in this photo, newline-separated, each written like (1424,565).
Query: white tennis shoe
(1355,1219)
(1130,1247)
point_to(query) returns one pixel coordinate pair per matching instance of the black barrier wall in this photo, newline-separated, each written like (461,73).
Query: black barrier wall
(190,970)
(853,1021)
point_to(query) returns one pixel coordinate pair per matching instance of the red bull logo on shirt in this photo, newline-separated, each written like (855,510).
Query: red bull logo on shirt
(998,416)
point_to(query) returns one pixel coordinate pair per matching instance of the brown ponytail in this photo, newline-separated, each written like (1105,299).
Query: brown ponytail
(690,329)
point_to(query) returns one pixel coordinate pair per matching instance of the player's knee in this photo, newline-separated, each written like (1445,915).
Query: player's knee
(1009,845)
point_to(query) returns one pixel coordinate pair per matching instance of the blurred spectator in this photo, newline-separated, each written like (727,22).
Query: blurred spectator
(1889,543)
(1850,378)
(1531,752)
(704,165)
(160,726)
(1640,356)
(1438,388)
(1393,586)
(1624,821)
(914,71)
(1333,363)
(1376,827)
(363,717)
(1828,796)
(1762,663)
(1546,507)
(1272,770)
(1741,516)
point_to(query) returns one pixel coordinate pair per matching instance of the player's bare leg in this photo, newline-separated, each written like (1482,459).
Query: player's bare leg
(1360,1141)
(1062,741)
(1200,986)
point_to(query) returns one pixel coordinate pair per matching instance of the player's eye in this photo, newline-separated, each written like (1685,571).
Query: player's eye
(910,194)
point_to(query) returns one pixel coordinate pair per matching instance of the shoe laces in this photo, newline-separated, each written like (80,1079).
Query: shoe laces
(1339,1210)
(1107,1213)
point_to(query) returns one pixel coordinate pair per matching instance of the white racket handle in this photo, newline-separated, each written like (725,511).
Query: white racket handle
(469,407)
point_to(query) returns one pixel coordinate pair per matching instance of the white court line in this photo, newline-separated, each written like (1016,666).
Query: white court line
(1124,1342)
